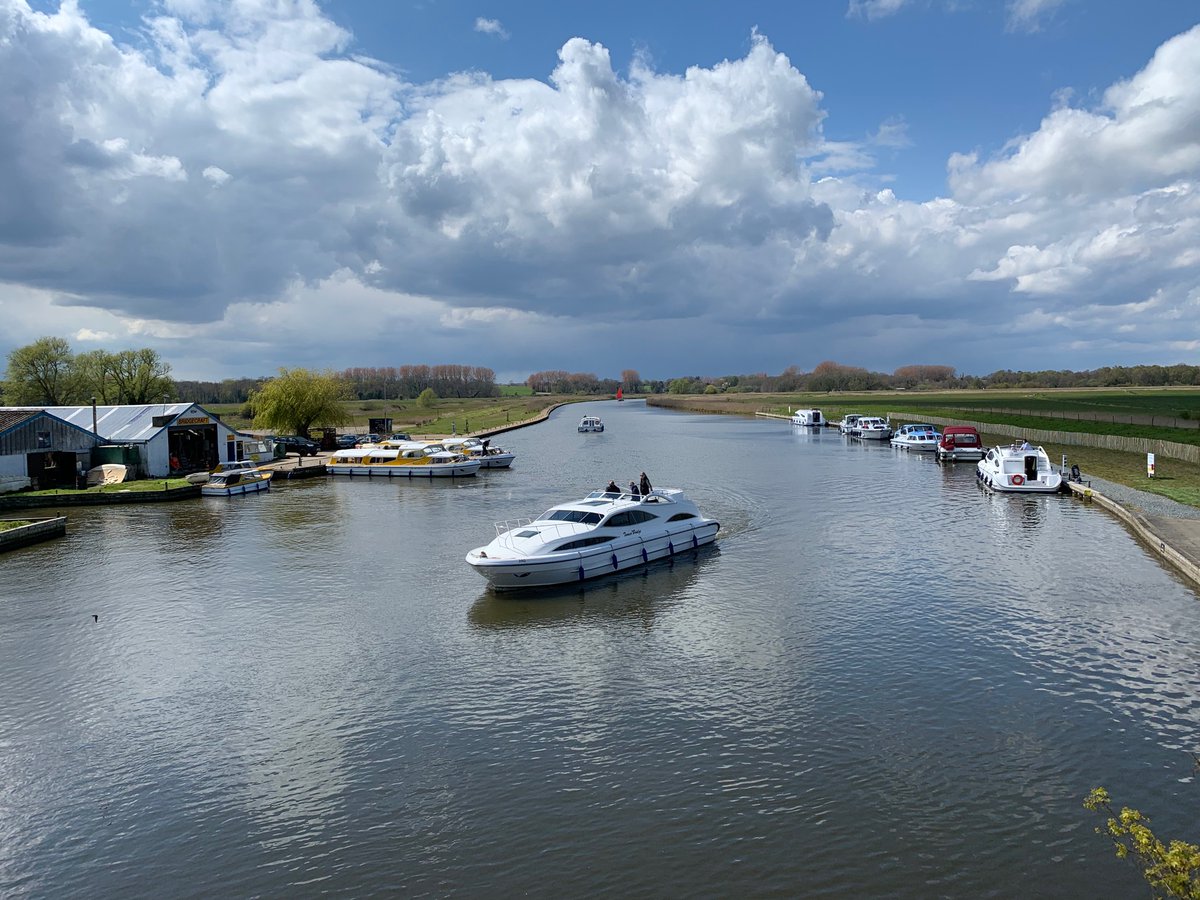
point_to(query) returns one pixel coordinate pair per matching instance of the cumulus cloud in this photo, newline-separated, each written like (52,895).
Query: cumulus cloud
(491,26)
(243,172)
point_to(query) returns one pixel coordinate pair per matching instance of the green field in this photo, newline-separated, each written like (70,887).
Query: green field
(443,417)
(1174,478)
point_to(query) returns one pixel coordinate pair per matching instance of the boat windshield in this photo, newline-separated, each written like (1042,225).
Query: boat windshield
(571,515)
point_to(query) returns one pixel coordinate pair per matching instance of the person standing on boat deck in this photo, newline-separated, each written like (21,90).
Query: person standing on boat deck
(612,488)
(645,485)
(633,489)
(1026,445)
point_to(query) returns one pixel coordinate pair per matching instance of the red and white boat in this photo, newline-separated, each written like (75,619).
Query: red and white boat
(960,442)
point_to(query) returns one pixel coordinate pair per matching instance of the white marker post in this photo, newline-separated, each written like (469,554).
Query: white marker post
(1149,465)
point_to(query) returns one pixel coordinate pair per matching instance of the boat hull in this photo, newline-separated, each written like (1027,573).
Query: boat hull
(1045,484)
(382,470)
(960,455)
(499,461)
(622,554)
(249,487)
(920,446)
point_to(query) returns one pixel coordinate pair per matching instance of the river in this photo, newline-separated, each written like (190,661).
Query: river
(880,682)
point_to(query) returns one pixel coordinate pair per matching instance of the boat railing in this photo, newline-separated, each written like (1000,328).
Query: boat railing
(510,524)
(561,529)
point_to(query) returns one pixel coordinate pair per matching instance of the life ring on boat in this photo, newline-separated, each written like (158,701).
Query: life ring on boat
(1018,479)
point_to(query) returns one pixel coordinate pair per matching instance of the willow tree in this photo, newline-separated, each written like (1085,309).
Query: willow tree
(297,399)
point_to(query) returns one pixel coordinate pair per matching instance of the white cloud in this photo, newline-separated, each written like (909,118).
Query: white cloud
(491,26)
(1028,15)
(875,9)
(541,224)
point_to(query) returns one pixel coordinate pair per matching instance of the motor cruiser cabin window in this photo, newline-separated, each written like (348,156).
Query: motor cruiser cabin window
(528,533)
(572,515)
(585,542)
(629,517)
(679,517)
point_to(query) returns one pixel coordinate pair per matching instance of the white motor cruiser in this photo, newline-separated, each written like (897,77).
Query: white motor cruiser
(917,437)
(599,535)
(849,423)
(473,448)
(1018,469)
(231,479)
(591,423)
(810,418)
(873,428)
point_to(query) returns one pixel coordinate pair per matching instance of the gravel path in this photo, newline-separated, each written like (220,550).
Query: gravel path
(1147,503)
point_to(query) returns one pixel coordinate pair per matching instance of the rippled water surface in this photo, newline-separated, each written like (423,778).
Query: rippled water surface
(880,682)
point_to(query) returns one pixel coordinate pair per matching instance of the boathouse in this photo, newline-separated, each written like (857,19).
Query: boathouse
(154,440)
(39,449)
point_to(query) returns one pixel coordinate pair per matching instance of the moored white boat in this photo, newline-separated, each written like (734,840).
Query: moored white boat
(849,423)
(1018,469)
(599,535)
(473,448)
(872,428)
(916,437)
(591,423)
(232,479)
(411,460)
(810,418)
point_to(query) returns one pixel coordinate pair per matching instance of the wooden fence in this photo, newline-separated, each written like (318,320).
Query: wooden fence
(1170,449)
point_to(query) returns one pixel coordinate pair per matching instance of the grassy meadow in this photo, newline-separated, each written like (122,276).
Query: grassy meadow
(442,417)
(1174,478)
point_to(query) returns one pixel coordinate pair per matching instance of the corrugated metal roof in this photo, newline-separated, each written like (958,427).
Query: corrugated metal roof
(11,418)
(118,424)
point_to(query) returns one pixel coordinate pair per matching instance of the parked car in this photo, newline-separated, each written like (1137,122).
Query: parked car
(368,439)
(347,441)
(399,436)
(294,443)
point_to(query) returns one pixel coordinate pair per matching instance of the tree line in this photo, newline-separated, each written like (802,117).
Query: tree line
(408,382)
(833,376)
(49,373)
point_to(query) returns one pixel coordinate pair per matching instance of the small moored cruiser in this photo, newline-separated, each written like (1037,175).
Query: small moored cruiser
(601,534)
(916,437)
(849,423)
(1019,469)
(473,448)
(960,442)
(810,418)
(231,479)
(872,428)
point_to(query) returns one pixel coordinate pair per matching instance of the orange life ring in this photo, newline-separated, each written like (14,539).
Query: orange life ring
(1018,479)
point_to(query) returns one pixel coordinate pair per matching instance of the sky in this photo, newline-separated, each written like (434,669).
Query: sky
(679,188)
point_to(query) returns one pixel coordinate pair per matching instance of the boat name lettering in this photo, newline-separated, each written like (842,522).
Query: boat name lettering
(193,420)
(632,531)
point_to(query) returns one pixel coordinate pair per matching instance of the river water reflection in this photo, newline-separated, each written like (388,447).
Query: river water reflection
(880,682)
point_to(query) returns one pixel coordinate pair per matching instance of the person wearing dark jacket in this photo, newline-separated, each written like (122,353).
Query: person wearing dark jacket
(612,488)
(645,485)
